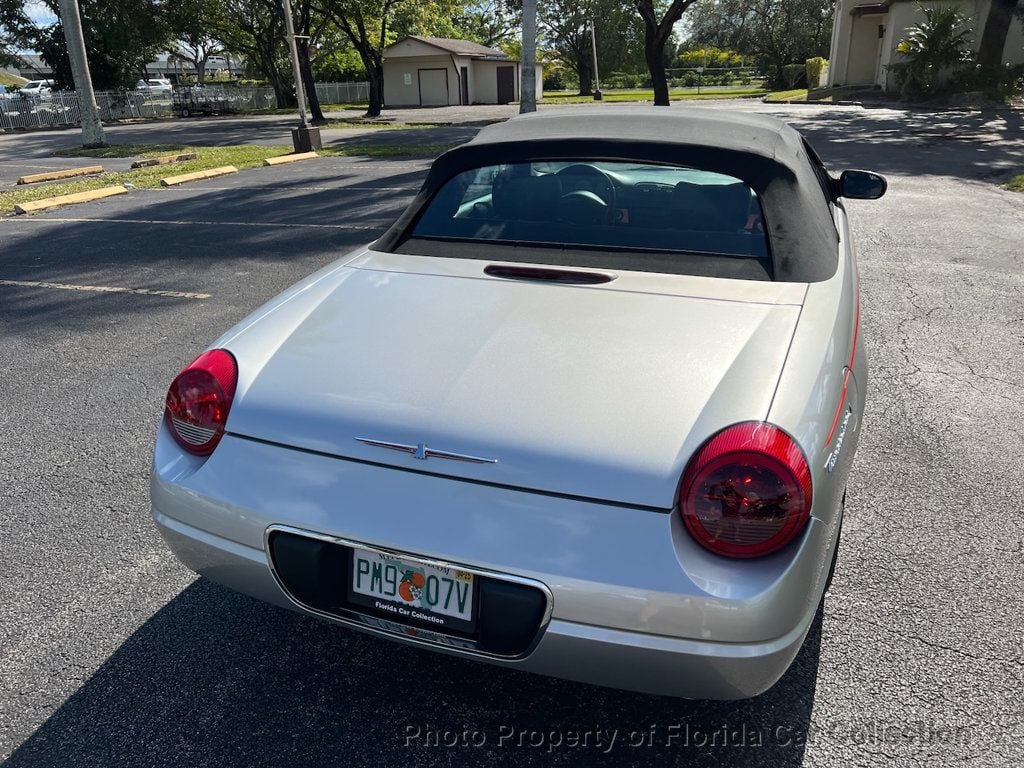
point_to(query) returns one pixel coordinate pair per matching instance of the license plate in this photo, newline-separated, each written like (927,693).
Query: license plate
(410,590)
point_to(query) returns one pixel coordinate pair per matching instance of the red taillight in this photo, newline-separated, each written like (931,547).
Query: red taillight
(747,491)
(199,400)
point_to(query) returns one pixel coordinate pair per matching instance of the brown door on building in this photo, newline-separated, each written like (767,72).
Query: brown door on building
(464,81)
(506,85)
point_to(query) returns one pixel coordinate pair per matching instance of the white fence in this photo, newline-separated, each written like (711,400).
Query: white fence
(343,93)
(58,109)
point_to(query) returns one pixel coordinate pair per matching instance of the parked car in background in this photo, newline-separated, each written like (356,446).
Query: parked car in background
(38,88)
(587,409)
(157,86)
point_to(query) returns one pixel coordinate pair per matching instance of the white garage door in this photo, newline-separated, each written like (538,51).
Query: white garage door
(433,87)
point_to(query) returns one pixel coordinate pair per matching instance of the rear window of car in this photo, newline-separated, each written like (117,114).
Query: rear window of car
(611,214)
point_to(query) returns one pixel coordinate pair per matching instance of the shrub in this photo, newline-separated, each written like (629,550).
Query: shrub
(554,79)
(931,50)
(709,57)
(795,76)
(999,85)
(815,67)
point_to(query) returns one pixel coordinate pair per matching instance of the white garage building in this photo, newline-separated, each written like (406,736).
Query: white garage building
(440,72)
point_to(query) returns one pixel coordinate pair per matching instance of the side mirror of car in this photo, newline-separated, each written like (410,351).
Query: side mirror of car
(862,185)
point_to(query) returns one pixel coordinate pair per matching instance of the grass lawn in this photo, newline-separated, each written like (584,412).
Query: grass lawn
(245,156)
(675,94)
(1016,183)
(802,94)
(295,110)
(798,94)
(389,150)
(353,123)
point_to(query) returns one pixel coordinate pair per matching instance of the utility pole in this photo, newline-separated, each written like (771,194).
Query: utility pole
(528,81)
(92,128)
(598,96)
(304,138)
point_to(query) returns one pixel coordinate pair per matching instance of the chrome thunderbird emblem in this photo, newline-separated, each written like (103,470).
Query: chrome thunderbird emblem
(423,452)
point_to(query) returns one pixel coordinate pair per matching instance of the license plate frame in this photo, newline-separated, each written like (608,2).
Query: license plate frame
(418,613)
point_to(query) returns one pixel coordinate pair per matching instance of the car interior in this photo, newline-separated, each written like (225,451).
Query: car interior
(610,206)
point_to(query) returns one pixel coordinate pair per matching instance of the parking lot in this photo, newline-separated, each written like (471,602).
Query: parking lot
(111,654)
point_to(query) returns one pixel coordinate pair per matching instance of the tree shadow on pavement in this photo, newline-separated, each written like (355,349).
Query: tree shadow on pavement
(201,240)
(967,145)
(215,678)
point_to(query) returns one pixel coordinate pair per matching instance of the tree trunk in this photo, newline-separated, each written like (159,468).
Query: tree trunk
(779,81)
(375,74)
(654,53)
(993,38)
(656,36)
(284,91)
(201,70)
(584,69)
(308,84)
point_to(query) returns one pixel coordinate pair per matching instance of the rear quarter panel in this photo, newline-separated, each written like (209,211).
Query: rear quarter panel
(820,398)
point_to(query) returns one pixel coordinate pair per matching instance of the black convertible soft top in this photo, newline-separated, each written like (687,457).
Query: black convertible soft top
(763,152)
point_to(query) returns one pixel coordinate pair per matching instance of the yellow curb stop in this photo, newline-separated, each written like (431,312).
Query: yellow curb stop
(173,181)
(290,158)
(67,173)
(78,197)
(164,160)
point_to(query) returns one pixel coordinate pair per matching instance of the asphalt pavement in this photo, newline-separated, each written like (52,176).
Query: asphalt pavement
(112,654)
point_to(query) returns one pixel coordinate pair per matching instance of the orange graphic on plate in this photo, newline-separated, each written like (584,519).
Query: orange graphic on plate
(411,585)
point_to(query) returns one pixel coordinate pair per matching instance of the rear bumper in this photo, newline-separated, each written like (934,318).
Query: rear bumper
(635,603)
(598,655)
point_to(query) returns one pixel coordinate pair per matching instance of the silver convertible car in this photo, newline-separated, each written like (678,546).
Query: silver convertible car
(587,409)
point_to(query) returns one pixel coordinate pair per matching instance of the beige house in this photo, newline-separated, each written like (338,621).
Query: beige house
(439,72)
(865,35)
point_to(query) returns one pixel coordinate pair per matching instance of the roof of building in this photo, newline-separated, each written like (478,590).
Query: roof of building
(457,47)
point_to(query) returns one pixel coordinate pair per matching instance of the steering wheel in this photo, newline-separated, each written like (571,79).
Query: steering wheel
(594,199)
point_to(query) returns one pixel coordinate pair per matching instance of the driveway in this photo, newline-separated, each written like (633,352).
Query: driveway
(111,654)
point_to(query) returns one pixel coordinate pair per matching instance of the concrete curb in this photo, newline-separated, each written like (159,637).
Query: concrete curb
(173,181)
(164,160)
(78,197)
(66,173)
(284,159)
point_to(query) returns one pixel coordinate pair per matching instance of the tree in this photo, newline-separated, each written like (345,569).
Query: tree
(657,35)
(931,48)
(489,22)
(367,25)
(307,33)
(187,20)
(372,25)
(993,35)
(121,37)
(13,20)
(775,32)
(566,28)
(255,29)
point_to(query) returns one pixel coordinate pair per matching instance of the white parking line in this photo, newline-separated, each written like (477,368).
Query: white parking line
(272,225)
(105,289)
(286,187)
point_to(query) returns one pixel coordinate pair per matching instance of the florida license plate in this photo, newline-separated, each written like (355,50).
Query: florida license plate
(410,590)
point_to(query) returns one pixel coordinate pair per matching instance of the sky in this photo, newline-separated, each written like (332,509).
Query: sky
(39,13)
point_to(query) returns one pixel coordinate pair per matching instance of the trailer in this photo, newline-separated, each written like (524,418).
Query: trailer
(193,100)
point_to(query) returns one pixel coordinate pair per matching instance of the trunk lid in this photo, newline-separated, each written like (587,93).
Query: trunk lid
(597,391)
